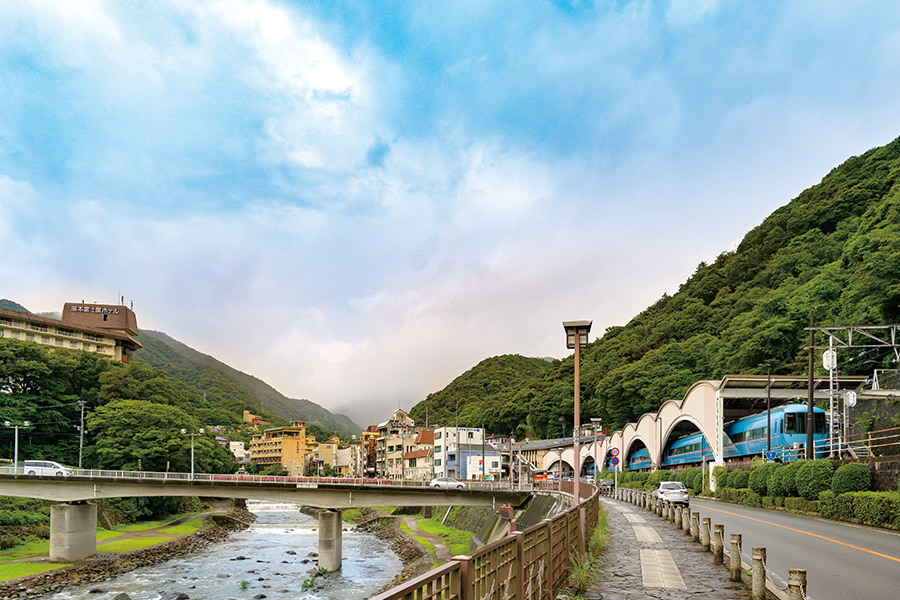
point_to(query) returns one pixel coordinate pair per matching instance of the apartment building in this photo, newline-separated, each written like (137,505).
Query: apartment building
(452,447)
(393,436)
(287,446)
(418,458)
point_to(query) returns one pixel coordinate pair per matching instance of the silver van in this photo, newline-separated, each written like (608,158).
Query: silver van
(45,467)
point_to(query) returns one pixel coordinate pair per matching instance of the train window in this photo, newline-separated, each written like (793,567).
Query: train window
(819,423)
(790,424)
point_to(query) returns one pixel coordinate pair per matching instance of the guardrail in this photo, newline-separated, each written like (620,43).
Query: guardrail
(277,479)
(528,564)
(712,538)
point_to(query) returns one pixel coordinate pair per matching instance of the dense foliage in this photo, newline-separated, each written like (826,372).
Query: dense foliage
(852,477)
(834,250)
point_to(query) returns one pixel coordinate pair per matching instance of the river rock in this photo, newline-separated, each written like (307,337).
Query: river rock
(122,596)
(97,591)
(223,576)
(291,552)
(176,596)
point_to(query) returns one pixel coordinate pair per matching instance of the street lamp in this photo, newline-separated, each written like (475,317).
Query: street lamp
(560,450)
(200,431)
(577,336)
(768,406)
(16,426)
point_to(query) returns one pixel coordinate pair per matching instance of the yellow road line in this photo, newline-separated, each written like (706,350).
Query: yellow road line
(822,537)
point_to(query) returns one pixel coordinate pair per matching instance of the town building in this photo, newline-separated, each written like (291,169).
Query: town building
(419,457)
(254,419)
(452,446)
(287,446)
(369,442)
(393,435)
(238,450)
(475,466)
(109,330)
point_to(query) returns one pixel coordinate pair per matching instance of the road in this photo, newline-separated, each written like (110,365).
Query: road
(843,561)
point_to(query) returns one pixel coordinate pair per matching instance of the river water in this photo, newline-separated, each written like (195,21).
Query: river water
(257,561)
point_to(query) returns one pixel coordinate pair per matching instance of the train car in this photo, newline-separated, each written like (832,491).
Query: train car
(639,459)
(747,436)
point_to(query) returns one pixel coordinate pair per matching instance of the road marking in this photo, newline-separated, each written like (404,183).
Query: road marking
(659,570)
(816,535)
(646,533)
(633,518)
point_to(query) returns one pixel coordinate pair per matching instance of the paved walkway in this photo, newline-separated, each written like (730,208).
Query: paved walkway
(648,557)
(441,551)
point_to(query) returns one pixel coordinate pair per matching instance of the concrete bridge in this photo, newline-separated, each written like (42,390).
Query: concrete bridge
(73,525)
(706,407)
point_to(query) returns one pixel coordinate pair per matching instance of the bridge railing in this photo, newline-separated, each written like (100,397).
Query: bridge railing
(530,564)
(268,479)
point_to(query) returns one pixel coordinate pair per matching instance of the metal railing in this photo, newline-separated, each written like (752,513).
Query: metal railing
(269,479)
(525,564)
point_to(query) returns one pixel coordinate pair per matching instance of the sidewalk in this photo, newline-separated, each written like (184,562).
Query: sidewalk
(648,557)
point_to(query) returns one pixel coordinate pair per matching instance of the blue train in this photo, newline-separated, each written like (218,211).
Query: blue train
(744,437)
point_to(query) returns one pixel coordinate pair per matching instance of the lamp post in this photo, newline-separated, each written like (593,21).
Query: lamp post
(15,426)
(559,484)
(576,336)
(768,406)
(200,431)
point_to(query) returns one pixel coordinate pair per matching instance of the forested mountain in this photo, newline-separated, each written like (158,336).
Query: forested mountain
(228,387)
(834,250)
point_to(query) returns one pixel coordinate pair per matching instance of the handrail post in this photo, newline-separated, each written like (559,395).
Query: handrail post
(718,544)
(758,581)
(695,526)
(686,520)
(796,584)
(704,534)
(735,557)
(677,518)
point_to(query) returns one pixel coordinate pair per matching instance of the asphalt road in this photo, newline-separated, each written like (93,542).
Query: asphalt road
(843,561)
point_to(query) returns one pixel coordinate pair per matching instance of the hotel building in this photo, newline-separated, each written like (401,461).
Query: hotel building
(287,446)
(106,329)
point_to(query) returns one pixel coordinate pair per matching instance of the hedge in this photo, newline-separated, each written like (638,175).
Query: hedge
(801,505)
(852,477)
(871,508)
(720,474)
(814,477)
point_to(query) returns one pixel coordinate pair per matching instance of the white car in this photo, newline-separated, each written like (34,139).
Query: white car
(447,483)
(673,491)
(45,467)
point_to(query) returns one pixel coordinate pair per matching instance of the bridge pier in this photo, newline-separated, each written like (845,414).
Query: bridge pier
(73,531)
(330,528)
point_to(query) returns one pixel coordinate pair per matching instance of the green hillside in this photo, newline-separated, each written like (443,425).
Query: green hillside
(226,386)
(10,305)
(835,249)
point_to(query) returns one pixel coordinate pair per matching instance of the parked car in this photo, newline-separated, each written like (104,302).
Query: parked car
(673,491)
(45,467)
(606,484)
(447,483)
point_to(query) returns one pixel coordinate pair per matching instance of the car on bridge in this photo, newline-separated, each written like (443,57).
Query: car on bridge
(446,483)
(45,467)
(673,491)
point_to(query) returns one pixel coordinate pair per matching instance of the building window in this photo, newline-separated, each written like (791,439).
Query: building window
(471,435)
(437,462)
(437,435)
(1,332)
(451,458)
(14,334)
(29,336)
(59,342)
(437,449)
(73,345)
(45,339)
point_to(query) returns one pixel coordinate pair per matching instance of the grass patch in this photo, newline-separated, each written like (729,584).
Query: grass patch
(16,570)
(132,544)
(25,550)
(106,534)
(456,539)
(186,527)
(600,536)
(147,525)
(351,515)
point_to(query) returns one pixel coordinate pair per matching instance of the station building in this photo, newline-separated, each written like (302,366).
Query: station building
(107,329)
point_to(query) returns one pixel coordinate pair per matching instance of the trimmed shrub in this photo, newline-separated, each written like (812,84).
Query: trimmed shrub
(797,504)
(784,479)
(739,479)
(813,477)
(852,477)
(836,506)
(768,502)
(759,478)
(697,484)
(659,475)
(748,497)
(720,474)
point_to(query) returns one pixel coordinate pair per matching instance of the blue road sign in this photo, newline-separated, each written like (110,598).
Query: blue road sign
(770,455)
(614,460)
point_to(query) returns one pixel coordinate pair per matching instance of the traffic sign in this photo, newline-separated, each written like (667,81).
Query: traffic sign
(614,451)
(770,455)
(614,460)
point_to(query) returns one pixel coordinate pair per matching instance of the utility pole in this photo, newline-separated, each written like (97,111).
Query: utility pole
(81,434)
(810,451)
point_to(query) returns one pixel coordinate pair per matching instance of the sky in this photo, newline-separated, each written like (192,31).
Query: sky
(359,201)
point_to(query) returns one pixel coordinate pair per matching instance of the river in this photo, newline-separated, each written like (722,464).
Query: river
(258,561)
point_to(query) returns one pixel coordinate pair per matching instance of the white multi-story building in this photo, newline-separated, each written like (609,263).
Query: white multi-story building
(452,446)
